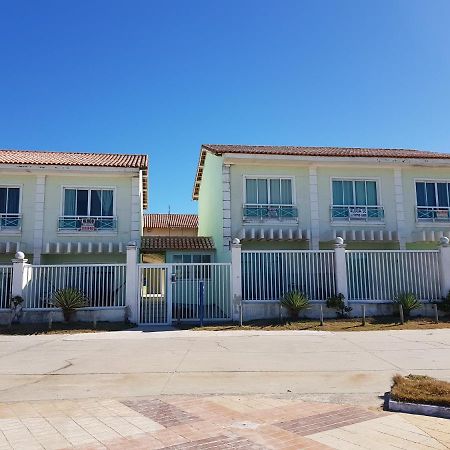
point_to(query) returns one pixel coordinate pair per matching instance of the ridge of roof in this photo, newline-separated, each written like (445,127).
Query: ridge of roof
(286,150)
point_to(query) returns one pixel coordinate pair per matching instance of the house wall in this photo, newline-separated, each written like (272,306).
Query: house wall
(41,206)
(210,205)
(396,190)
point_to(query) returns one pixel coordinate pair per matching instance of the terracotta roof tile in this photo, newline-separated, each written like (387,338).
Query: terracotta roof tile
(158,243)
(38,157)
(336,152)
(79,159)
(170,221)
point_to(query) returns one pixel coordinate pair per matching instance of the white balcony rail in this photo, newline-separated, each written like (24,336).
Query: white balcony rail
(356,213)
(11,222)
(382,274)
(87,223)
(257,211)
(432,214)
(103,285)
(5,286)
(267,276)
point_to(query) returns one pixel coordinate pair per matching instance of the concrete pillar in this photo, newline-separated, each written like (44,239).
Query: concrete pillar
(131,299)
(20,274)
(340,268)
(236,274)
(444,265)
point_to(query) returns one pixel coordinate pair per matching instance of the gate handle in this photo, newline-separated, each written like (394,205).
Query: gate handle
(173,277)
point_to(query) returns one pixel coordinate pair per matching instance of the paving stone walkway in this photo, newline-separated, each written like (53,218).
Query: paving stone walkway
(212,422)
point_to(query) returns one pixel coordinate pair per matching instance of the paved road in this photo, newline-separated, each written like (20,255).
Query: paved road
(355,367)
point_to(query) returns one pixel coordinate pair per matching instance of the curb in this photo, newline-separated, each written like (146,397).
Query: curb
(418,408)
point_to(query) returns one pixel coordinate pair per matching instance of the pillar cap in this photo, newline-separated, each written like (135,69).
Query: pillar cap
(444,241)
(20,256)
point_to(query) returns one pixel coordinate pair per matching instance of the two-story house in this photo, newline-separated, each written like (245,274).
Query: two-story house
(65,207)
(280,197)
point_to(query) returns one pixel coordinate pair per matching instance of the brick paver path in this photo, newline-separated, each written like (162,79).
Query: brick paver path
(212,422)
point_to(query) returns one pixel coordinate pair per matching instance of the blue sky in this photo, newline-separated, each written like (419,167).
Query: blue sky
(162,77)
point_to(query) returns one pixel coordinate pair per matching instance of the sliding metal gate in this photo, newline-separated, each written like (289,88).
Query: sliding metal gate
(184,292)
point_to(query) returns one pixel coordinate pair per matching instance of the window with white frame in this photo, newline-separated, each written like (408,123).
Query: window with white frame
(269,197)
(433,200)
(192,271)
(88,209)
(355,200)
(9,207)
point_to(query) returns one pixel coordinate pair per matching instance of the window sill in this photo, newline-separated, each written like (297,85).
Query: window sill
(10,232)
(354,223)
(432,224)
(87,233)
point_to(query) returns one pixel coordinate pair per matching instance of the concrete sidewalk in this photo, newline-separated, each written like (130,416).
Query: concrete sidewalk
(355,367)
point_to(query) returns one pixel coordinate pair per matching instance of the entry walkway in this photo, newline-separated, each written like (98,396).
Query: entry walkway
(212,422)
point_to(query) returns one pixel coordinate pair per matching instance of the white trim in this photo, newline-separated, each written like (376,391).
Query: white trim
(269,177)
(377,182)
(314,207)
(89,189)
(39,217)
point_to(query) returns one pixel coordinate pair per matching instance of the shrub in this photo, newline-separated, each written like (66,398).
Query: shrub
(294,302)
(69,300)
(409,302)
(337,302)
(444,305)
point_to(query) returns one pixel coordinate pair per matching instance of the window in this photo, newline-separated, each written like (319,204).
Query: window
(192,272)
(9,207)
(355,200)
(88,202)
(269,197)
(433,200)
(272,191)
(88,210)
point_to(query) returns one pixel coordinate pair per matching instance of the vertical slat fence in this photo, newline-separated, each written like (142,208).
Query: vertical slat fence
(102,284)
(269,275)
(380,275)
(5,286)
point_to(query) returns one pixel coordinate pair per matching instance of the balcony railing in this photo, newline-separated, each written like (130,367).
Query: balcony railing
(270,212)
(432,214)
(87,223)
(11,222)
(357,213)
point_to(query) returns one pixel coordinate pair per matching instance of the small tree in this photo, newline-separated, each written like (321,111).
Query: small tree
(294,302)
(409,302)
(69,300)
(337,302)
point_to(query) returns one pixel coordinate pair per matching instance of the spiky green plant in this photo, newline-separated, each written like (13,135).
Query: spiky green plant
(409,302)
(294,302)
(69,300)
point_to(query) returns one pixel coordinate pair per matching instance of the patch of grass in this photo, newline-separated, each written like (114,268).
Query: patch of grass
(372,324)
(64,328)
(421,389)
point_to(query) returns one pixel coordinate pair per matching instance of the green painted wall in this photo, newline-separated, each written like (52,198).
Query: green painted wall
(275,245)
(210,205)
(104,258)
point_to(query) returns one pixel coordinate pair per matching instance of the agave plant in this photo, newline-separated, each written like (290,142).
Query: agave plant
(69,300)
(409,302)
(294,302)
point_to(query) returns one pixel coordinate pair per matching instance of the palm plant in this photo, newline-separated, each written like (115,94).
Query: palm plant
(409,302)
(69,300)
(294,302)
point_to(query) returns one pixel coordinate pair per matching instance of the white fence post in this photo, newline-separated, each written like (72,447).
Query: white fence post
(340,268)
(132,287)
(236,276)
(20,276)
(444,265)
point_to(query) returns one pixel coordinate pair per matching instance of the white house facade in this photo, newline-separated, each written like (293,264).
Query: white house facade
(287,198)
